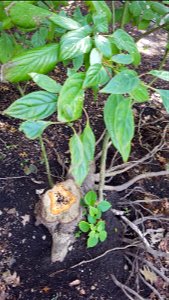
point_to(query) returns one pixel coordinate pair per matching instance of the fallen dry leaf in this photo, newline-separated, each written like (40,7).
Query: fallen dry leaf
(11,279)
(25,219)
(148,275)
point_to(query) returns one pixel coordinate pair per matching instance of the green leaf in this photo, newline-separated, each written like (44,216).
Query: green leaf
(6,47)
(101,226)
(95,57)
(164,94)
(34,129)
(95,75)
(84,226)
(90,198)
(64,22)
(92,241)
(102,235)
(125,42)
(39,60)
(119,121)
(159,7)
(70,101)
(103,45)
(91,219)
(122,59)
(104,205)
(135,8)
(45,82)
(78,62)
(88,139)
(122,83)
(101,8)
(93,211)
(140,93)
(101,23)
(27,15)
(79,165)
(160,74)
(34,106)
(39,37)
(75,43)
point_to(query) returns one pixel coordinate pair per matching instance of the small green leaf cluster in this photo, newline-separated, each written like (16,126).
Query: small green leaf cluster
(94,226)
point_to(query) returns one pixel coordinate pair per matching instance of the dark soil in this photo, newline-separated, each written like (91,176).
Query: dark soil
(26,270)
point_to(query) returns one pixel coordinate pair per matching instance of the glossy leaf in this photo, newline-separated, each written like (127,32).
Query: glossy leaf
(102,235)
(34,106)
(119,121)
(34,129)
(45,82)
(71,97)
(104,206)
(6,47)
(95,75)
(160,74)
(39,60)
(64,22)
(75,43)
(124,41)
(92,241)
(79,165)
(101,8)
(103,45)
(100,23)
(84,226)
(27,15)
(164,94)
(140,93)
(124,82)
(124,59)
(95,57)
(88,139)
(90,198)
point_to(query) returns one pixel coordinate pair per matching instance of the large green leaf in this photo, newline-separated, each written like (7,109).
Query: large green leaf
(159,7)
(101,8)
(82,153)
(100,23)
(75,43)
(40,60)
(79,166)
(64,22)
(135,8)
(95,57)
(103,45)
(45,82)
(160,74)
(34,106)
(165,98)
(140,93)
(34,129)
(70,101)
(6,47)
(124,59)
(119,121)
(95,75)
(125,42)
(27,15)
(122,83)
(88,140)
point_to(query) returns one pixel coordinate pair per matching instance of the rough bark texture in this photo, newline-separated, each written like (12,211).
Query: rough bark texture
(59,210)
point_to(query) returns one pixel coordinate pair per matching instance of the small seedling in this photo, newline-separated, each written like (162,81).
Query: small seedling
(94,225)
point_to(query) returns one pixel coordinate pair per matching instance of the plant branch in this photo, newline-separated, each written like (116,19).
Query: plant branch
(124,14)
(122,187)
(126,289)
(46,161)
(103,166)
(84,262)
(149,32)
